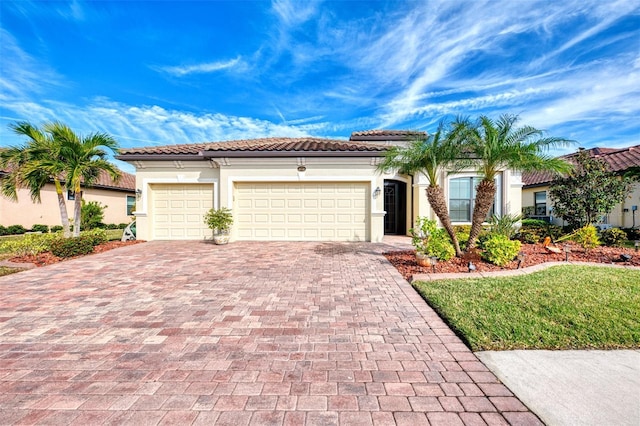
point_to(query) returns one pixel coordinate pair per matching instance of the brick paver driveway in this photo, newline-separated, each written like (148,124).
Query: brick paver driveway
(260,333)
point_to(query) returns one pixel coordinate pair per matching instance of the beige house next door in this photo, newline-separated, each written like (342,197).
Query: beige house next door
(302,211)
(177,211)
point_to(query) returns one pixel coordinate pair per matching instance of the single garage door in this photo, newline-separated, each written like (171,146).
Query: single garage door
(310,211)
(178,211)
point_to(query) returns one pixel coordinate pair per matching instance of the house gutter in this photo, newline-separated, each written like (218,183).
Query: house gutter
(206,155)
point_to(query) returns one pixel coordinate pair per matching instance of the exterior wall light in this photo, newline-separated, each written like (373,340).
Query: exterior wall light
(376,192)
(138,193)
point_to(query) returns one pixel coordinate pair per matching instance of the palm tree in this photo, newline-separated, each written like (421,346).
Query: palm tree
(85,158)
(55,153)
(32,166)
(432,156)
(499,145)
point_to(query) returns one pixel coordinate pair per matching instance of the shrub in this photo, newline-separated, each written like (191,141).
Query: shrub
(528,236)
(91,214)
(633,234)
(56,228)
(3,231)
(16,230)
(69,247)
(427,238)
(122,225)
(29,245)
(463,229)
(506,225)
(541,228)
(97,236)
(40,228)
(587,237)
(538,223)
(111,226)
(500,250)
(613,237)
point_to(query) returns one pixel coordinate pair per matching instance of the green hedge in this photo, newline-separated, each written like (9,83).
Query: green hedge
(69,247)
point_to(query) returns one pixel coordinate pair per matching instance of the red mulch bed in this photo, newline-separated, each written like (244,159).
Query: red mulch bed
(405,261)
(47,258)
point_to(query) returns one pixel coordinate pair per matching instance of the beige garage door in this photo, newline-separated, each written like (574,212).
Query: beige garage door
(290,211)
(178,211)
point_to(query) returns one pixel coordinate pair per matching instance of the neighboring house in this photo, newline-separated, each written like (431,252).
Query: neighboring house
(119,197)
(292,189)
(535,192)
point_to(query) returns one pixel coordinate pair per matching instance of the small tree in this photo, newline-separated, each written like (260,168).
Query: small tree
(91,214)
(589,192)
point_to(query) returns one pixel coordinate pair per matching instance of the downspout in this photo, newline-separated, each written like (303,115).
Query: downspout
(412,206)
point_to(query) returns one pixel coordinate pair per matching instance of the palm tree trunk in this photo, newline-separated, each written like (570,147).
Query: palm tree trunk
(438,202)
(64,217)
(77,214)
(485,196)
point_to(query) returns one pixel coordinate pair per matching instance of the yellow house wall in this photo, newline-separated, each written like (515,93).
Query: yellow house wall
(26,213)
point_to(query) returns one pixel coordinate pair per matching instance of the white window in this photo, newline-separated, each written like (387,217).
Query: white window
(462,195)
(131,204)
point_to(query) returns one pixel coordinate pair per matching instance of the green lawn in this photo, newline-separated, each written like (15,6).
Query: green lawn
(564,307)
(6,271)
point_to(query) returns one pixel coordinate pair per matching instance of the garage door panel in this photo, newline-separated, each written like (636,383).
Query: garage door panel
(178,210)
(302,211)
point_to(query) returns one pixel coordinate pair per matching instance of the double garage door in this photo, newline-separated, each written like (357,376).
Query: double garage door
(295,211)
(287,211)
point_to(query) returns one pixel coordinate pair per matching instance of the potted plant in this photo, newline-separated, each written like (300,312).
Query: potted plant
(220,221)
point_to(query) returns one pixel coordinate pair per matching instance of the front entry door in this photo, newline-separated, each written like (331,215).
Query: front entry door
(395,205)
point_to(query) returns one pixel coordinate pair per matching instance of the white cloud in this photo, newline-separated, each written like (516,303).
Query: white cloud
(21,73)
(205,68)
(154,125)
(294,12)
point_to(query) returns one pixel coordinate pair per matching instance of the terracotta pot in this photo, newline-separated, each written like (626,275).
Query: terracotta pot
(422,259)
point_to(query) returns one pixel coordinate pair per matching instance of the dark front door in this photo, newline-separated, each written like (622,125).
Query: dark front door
(395,204)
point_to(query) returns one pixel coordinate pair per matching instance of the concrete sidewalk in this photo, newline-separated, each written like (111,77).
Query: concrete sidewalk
(573,387)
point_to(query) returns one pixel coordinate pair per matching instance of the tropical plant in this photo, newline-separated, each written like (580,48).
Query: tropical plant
(31,244)
(499,249)
(84,159)
(506,225)
(32,166)
(91,214)
(432,156)
(55,153)
(589,192)
(499,145)
(427,238)
(587,237)
(219,220)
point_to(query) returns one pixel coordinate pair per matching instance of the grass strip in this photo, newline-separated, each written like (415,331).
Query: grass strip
(5,270)
(564,307)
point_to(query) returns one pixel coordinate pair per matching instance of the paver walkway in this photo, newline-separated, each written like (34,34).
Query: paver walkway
(249,333)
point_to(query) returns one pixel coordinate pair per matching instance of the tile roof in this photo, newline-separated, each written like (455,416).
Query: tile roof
(382,134)
(618,159)
(127,181)
(304,144)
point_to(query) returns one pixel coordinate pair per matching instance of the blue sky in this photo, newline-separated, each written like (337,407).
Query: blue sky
(156,73)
